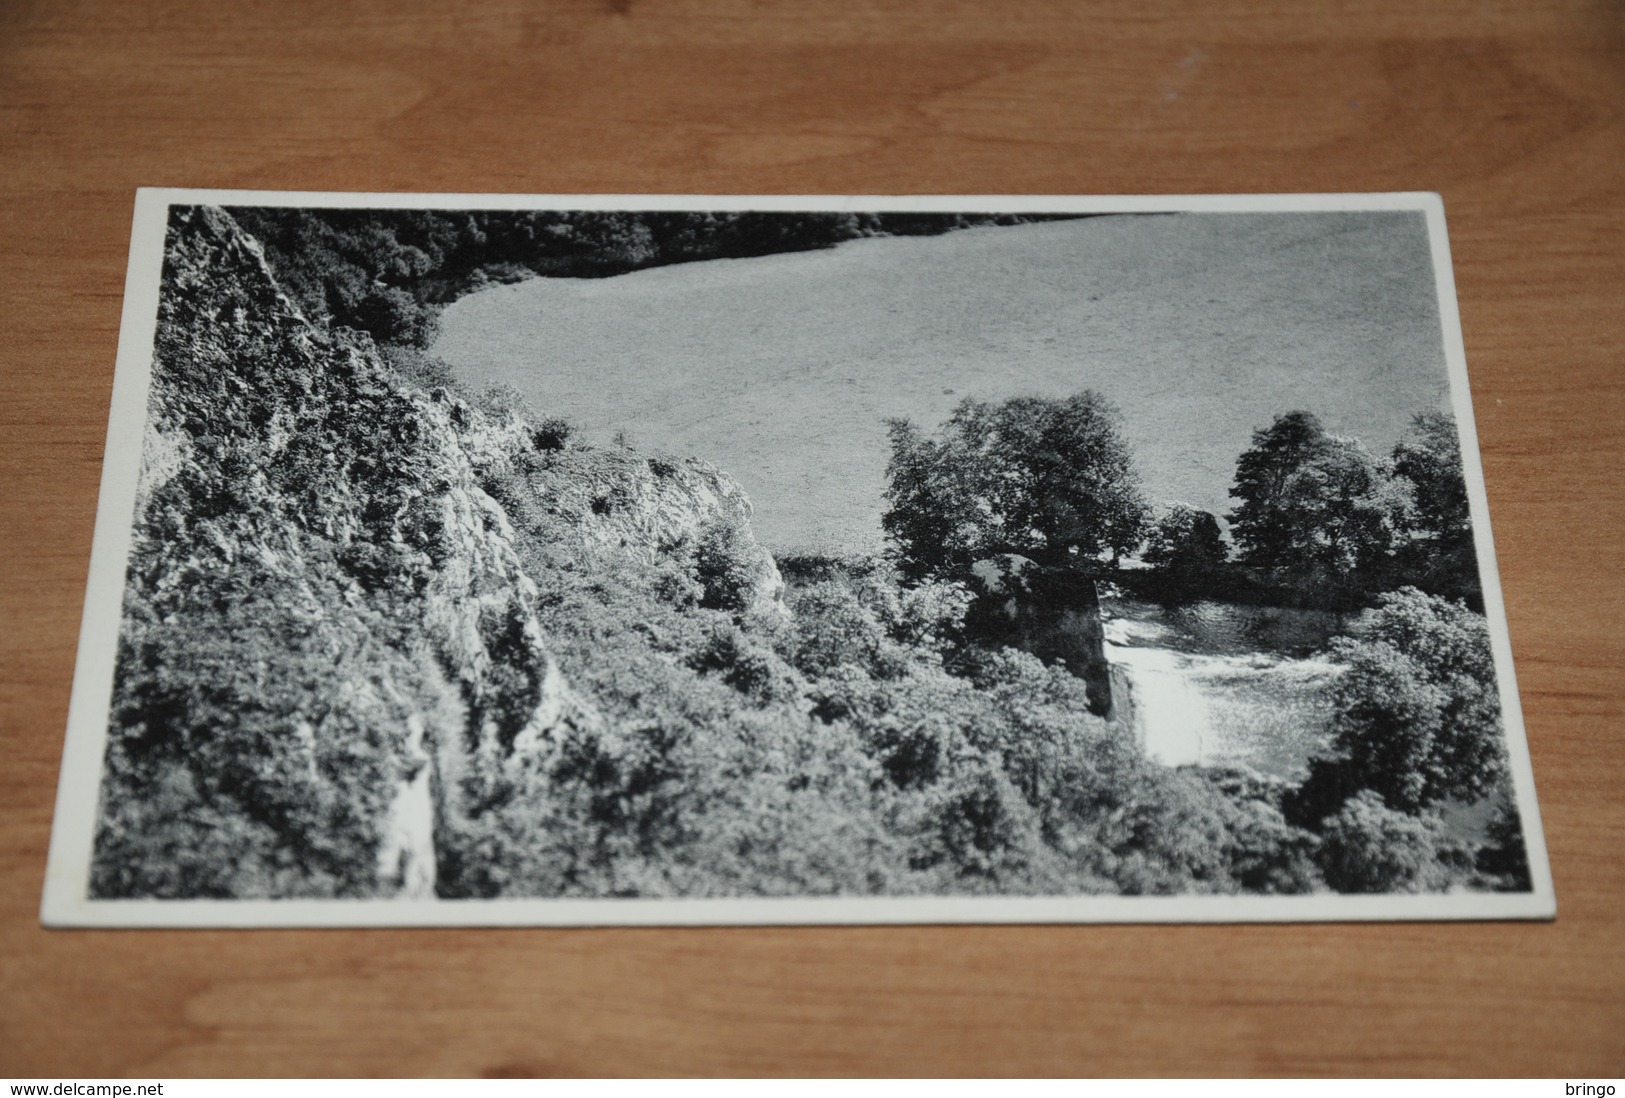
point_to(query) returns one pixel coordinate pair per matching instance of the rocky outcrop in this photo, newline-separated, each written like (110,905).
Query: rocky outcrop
(328,628)
(650,507)
(1054,613)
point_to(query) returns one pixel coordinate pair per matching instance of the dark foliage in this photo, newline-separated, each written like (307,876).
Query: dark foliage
(1263,534)
(1367,847)
(1418,720)
(1188,553)
(1504,858)
(1324,522)
(1416,728)
(1317,512)
(1439,556)
(1049,480)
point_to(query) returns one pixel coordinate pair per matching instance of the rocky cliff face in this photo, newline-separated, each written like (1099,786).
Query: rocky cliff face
(653,508)
(330,657)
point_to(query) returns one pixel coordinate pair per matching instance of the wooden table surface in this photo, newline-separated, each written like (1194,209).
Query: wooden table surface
(1513,111)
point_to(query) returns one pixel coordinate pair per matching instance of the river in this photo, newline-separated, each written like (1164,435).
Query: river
(1217,683)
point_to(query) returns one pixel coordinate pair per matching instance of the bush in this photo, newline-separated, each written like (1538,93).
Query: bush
(552,434)
(1368,847)
(1440,556)
(415,366)
(1187,551)
(1505,858)
(726,567)
(220,780)
(981,827)
(1417,714)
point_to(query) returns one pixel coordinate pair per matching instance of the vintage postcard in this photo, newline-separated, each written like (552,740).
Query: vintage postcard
(581,560)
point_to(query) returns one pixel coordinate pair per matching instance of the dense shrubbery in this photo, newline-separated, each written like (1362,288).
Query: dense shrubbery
(221,779)
(1187,552)
(1417,726)
(830,750)
(1418,718)
(255,586)
(1367,847)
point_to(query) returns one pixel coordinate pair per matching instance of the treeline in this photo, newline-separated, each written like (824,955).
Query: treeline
(388,272)
(1319,521)
(1324,519)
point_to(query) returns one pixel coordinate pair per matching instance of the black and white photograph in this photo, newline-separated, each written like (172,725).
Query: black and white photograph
(579,560)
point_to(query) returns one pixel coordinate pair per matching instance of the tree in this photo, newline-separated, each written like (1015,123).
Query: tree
(1262,536)
(1187,549)
(1416,715)
(1440,555)
(1316,509)
(933,519)
(1051,480)
(1344,515)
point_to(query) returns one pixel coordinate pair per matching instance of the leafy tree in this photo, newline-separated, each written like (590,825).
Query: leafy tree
(1317,509)
(1051,480)
(1369,847)
(1187,549)
(1441,555)
(1344,514)
(725,570)
(932,491)
(1417,719)
(1262,535)
(1430,458)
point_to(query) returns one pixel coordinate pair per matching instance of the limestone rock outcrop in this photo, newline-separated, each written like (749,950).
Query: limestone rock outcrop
(327,626)
(653,506)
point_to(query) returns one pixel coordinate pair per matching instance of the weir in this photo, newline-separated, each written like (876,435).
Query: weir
(1216,683)
(1158,702)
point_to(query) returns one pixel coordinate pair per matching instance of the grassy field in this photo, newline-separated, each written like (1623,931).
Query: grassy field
(781,369)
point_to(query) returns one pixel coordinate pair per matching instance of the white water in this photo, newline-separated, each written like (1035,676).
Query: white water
(1256,708)
(1171,715)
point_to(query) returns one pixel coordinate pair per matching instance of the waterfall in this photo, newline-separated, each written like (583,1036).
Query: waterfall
(1170,715)
(1210,686)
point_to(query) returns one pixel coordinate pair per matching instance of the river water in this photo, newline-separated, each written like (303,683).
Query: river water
(1217,683)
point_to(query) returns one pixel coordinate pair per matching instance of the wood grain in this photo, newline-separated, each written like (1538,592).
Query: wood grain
(1512,111)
